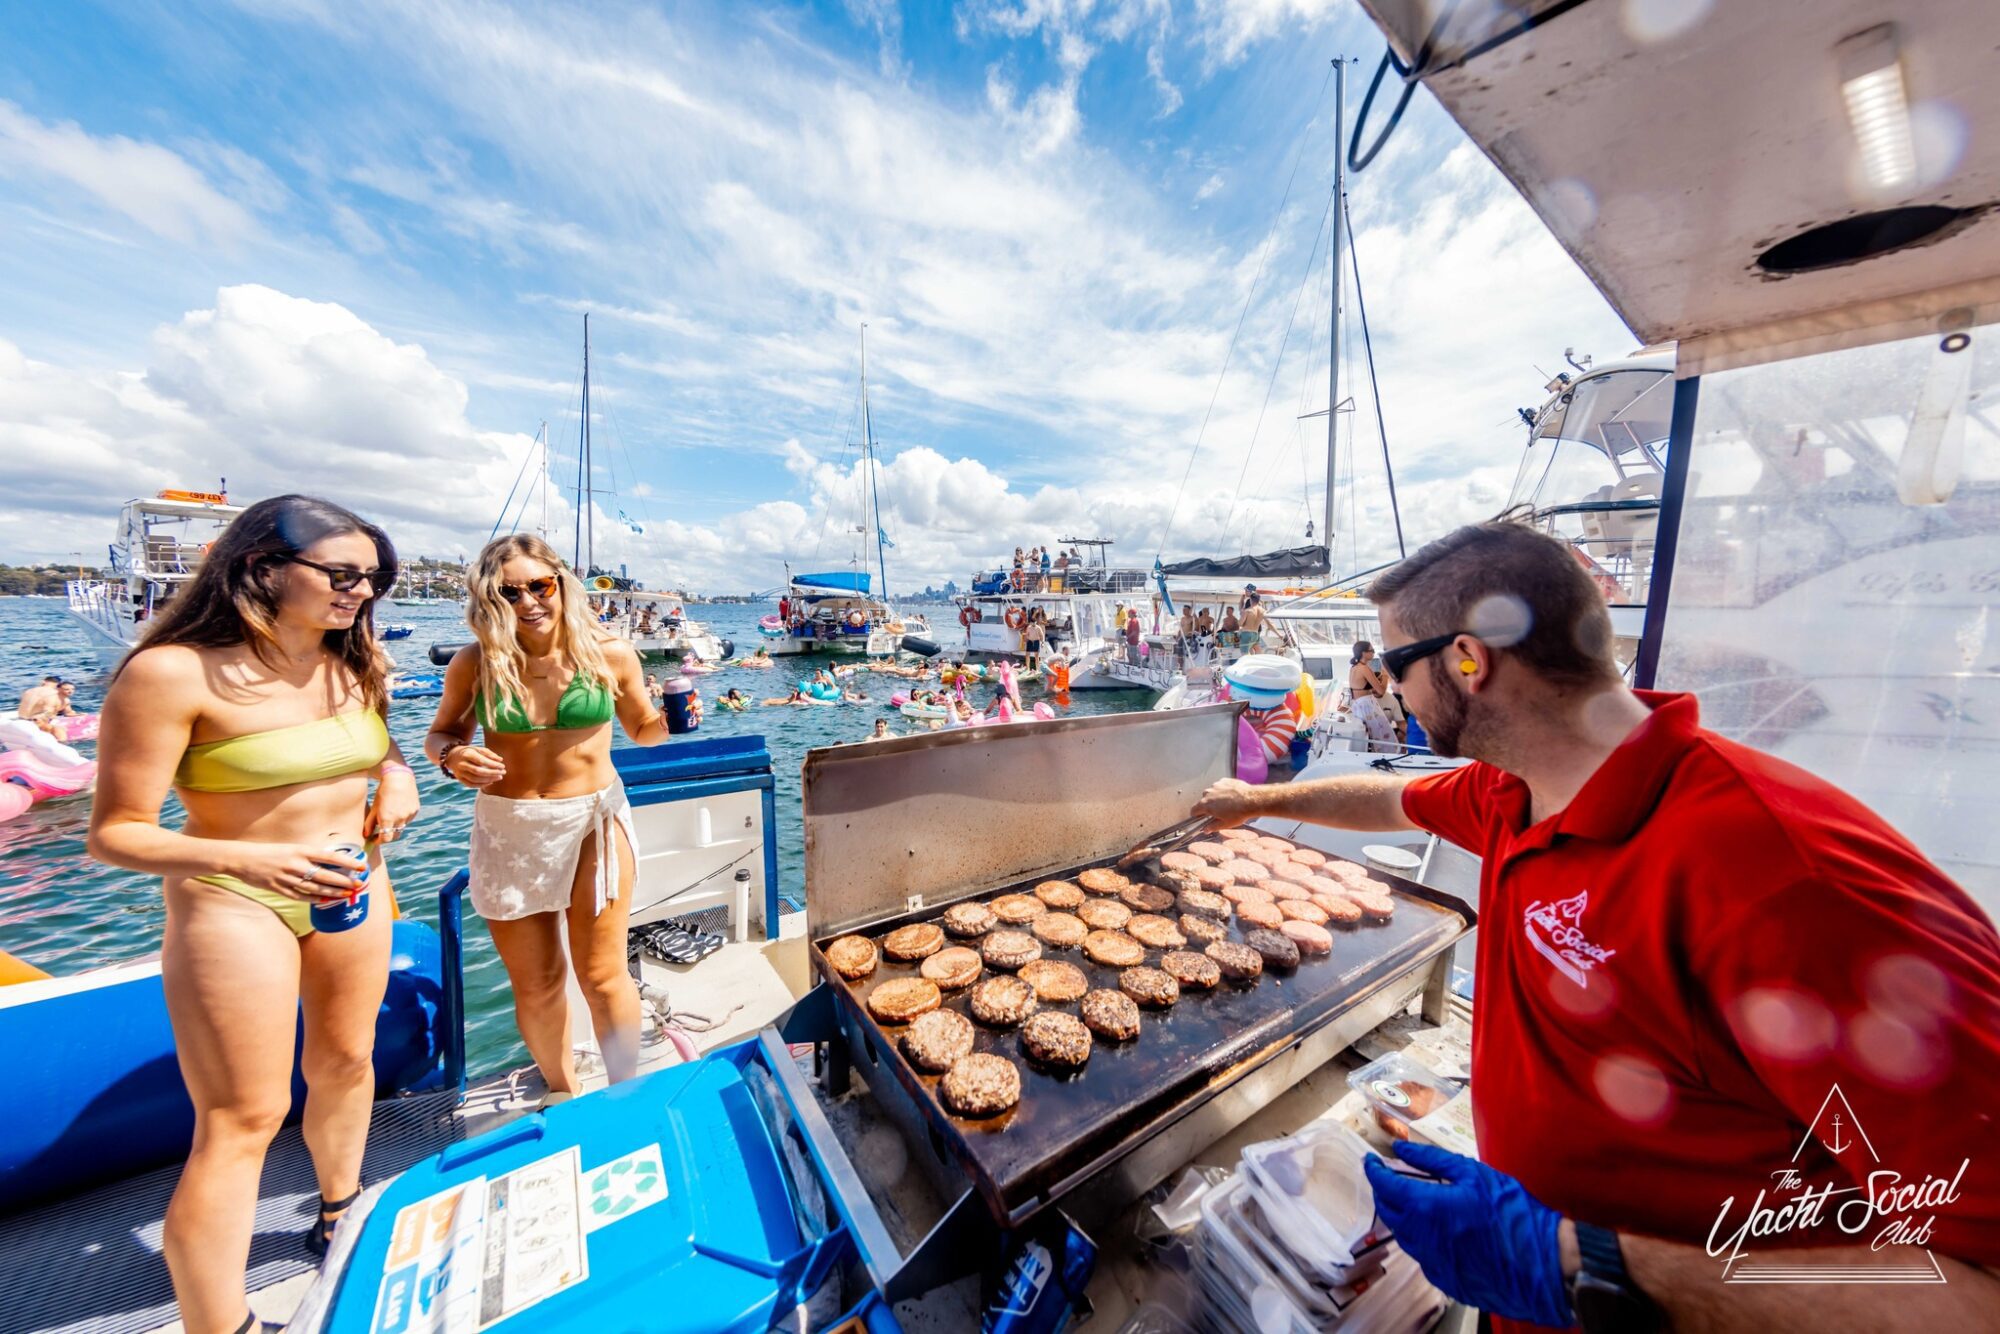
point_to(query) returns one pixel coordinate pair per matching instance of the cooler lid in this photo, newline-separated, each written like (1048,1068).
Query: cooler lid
(948,813)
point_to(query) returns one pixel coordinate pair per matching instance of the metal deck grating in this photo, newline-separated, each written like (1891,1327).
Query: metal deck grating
(92,1263)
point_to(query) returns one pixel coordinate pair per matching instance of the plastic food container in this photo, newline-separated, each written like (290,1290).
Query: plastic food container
(1312,1192)
(1405,1097)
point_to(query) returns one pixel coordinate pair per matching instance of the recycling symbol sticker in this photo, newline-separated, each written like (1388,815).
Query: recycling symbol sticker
(622,1187)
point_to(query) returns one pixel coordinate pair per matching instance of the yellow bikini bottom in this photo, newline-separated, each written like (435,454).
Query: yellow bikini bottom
(294,913)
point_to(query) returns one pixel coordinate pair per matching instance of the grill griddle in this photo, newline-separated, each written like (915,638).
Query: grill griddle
(1068,1125)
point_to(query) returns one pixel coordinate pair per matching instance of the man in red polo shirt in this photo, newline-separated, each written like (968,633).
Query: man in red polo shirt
(1736,1048)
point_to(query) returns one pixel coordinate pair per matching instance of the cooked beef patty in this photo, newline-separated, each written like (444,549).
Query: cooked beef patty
(1276,948)
(1060,930)
(1239,963)
(981,1084)
(1057,1039)
(1059,894)
(1202,929)
(1114,949)
(919,940)
(1214,853)
(901,999)
(1009,949)
(1101,880)
(1204,903)
(1018,909)
(1104,914)
(853,957)
(1148,898)
(1002,1001)
(968,919)
(1157,933)
(1303,910)
(1182,861)
(1310,938)
(952,968)
(1196,972)
(1111,1014)
(1257,914)
(1150,987)
(936,1040)
(1056,982)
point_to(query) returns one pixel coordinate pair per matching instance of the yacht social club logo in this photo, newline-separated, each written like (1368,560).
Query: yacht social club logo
(1553,930)
(1888,1214)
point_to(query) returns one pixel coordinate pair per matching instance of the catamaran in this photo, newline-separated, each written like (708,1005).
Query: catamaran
(1081,605)
(159,546)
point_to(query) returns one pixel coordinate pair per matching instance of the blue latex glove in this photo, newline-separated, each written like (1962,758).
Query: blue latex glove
(1478,1234)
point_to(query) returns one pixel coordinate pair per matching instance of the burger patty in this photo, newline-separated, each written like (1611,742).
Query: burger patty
(1157,933)
(936,1040)
(1203,929)
(1111,1014)
(1002,1001)
(1114,949)
(1213,853)
(1204,903)
(1101,880)
(1282,890)
(1246,872)
(968,919)
(1303,910)
(1274,947)
(1309,937)
(1058,894)
(1054,981)
(1104,914)
(1147,898)
(1194,971)
(901,999)
(1181,861)
(1150,987)
(1178,882)
(1055,1038)
(1060,930)
(1293,871)
(1009,949)
(1263,914)
(1246,893)
(952,968)
(1017,909)
(853,957)
(1309,856)
(1239,963)
(1373,903)
(1273,843)
(919,940)
(1338,908)
(981,1084)
(1214,879)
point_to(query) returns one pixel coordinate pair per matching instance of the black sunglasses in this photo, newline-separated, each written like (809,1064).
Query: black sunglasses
(381,581)
(543,588)
(1397,661)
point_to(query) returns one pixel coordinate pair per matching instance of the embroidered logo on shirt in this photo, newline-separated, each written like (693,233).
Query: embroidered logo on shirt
(1552,929)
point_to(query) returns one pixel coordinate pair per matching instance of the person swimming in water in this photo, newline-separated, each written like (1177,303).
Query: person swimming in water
(554,856)
(257,696)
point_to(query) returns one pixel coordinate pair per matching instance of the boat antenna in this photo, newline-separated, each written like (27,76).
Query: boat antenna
(1333,320)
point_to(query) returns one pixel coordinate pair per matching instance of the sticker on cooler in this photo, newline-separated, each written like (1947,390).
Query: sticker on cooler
(430,1280)
(534,1236)
(622,1187)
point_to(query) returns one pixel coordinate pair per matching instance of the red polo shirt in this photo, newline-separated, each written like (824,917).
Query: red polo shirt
(1676,971)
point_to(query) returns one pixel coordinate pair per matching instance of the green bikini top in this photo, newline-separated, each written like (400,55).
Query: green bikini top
(327,748)
(586,702)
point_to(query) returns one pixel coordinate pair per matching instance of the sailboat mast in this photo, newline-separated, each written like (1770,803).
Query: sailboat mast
(582,552)
(544,529)
(868,454)
(1333,313)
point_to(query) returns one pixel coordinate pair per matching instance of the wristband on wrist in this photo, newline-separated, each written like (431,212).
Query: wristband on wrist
(397,767)
(444,758)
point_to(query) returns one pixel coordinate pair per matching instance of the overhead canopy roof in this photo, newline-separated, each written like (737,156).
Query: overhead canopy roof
(1290,563)
(1666,161)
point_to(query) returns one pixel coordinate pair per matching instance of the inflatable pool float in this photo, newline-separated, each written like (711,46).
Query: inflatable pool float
(821,691)
(28,777)
(18,735)
(696,669)
(923,712)
(1262,680)
(69,727)
(772,627)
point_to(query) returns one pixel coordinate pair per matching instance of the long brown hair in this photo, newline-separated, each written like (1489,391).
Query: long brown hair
(502,663)
(234,595)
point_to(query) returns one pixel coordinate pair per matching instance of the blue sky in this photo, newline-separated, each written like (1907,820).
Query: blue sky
(343,246)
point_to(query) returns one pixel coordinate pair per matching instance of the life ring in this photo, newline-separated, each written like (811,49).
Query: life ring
(1606,583)
(1016,618)
(969,616)
(857,619)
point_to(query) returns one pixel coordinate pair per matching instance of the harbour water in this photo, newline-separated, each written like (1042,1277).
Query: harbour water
(64,913)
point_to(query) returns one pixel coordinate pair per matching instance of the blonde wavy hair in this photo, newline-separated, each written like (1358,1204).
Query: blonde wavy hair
(502,664)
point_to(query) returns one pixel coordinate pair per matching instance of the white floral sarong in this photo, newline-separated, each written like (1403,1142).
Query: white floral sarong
(1375,721)
(524,852)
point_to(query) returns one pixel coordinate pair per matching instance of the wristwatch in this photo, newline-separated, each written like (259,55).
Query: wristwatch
(1602,1294)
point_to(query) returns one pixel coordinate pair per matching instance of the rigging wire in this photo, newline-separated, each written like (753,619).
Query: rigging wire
(1374,387)
(847,441)
(1250,450)
(1264,254)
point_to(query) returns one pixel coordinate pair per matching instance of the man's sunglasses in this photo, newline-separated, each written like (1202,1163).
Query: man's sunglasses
(1397,661)
(543,589)
(381,581)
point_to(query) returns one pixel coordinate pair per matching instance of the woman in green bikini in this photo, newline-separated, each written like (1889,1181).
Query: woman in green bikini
(553,853)
(257,696)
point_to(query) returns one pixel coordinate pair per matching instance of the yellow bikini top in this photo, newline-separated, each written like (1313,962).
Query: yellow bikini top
(328,748)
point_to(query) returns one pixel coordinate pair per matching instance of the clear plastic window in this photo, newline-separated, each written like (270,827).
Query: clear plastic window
(1835,587)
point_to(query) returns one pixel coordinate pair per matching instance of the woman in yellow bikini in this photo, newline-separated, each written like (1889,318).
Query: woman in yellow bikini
(552,845)
(257,696)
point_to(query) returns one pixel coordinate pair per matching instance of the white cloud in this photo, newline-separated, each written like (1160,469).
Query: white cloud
(1209,188)
(1229,28)
(153,186)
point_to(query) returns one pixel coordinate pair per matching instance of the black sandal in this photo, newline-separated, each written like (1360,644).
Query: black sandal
(320,1235)
(252,1325)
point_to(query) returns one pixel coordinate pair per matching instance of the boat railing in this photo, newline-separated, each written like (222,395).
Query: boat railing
(1613,539)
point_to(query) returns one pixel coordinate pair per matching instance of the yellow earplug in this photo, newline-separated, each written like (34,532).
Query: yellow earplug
(1468,666)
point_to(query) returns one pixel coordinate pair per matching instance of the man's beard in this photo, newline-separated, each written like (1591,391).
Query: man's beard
(1451,728)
